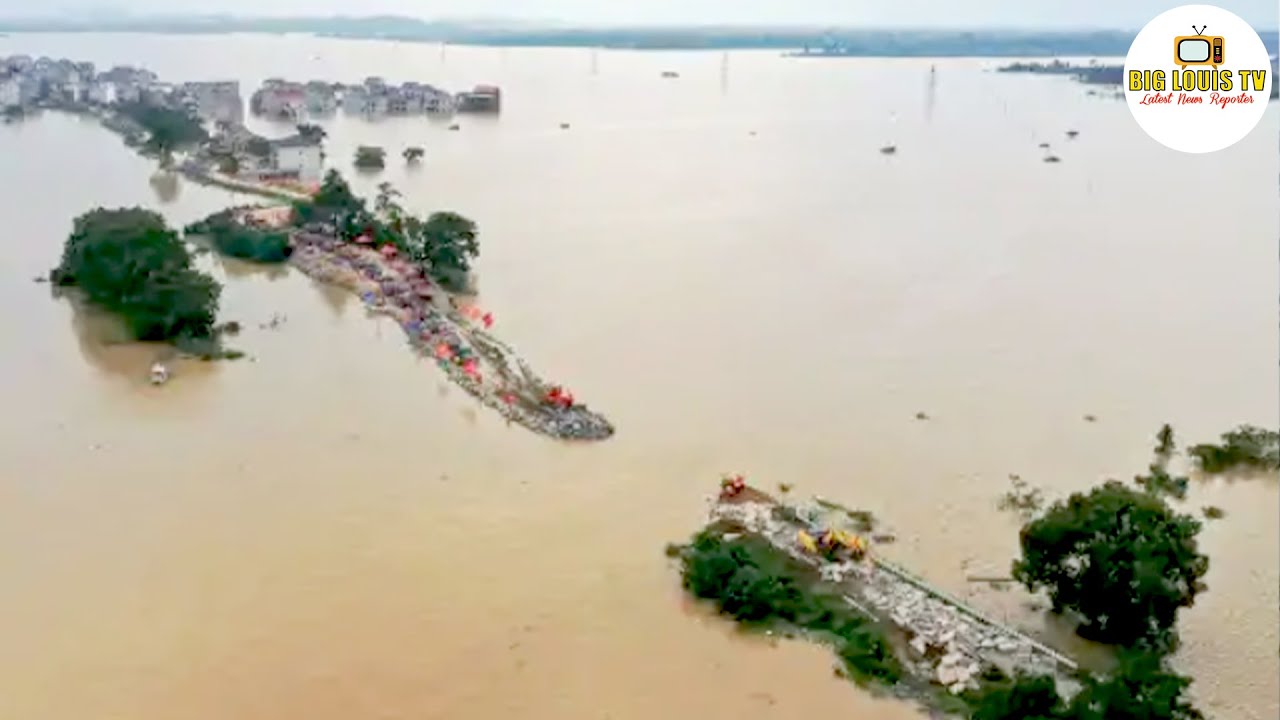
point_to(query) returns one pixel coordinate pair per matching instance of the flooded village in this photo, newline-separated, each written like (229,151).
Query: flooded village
(364,474)
(214,112)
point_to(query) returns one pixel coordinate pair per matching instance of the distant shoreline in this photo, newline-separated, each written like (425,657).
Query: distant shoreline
(846,42)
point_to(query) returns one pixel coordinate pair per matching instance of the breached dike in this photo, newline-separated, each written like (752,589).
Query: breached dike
(947,642)
(474,359)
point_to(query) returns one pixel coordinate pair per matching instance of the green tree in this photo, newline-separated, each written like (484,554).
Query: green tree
(1141,688)
(370,157)
(167,128)
(449,242)
(315,133)
(1165,442)
(1247,447)
(335,194)
(1024,698)
(237,240)
(1120,558)
(129,262)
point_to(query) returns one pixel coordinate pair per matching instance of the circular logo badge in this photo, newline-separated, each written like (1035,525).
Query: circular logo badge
(1197,78)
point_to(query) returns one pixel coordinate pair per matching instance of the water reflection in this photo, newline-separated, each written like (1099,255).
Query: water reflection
(240,269)
(930,93)
(104,341)
(167,186)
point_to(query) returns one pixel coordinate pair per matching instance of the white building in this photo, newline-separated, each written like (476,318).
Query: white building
(102,93)
(10,92)
(297,156)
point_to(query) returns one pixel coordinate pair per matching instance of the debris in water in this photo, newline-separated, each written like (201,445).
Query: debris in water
(922,416)
(564,126)
(889,150)
(1072,133)
(1052,159)
(1044,146)
(1091,418)
(159,374)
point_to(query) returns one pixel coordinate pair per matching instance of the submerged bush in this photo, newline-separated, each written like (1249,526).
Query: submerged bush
(242,241)
(1245,448)
(129,262)
(757,584)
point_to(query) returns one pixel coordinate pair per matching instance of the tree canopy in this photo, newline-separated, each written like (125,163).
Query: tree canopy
(129,262)
(167,128)
(241,241)
(758,584)
(370,157)
(1119,557)
(443,245)
(1141,687)
(1024,698)
(1246,448)
(315,133)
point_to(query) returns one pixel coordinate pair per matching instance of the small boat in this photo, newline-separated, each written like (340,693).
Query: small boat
(1044,146)
(1052,158)
(159,374)
(670,74)
(564,126)
(889,150)
(455,127)
(1072,133)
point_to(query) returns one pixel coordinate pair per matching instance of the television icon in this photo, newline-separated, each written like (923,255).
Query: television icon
(1197,50)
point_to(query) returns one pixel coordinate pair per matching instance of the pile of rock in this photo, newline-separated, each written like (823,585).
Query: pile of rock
(952,646)
(385,290)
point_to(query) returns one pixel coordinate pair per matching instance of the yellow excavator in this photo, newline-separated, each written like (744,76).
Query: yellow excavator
(832,543)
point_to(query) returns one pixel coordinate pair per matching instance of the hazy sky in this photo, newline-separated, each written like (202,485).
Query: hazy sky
(1124,14)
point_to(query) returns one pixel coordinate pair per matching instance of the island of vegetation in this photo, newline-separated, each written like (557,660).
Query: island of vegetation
(130,263)
(1119,560)
(370,157)
(1245,449)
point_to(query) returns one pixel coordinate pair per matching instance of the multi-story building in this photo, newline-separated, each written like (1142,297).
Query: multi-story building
(10,91)
(320,98)
(216,101)
(296,157)
(280,99)
(481,99)
(103,92)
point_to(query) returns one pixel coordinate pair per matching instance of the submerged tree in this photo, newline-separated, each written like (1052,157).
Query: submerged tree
(1120,558)
(129,262)
(370,157)
(1140,688)
(314,133)
(1248,448)
(413,155)
(1023,698)
(168,129)
(449,242)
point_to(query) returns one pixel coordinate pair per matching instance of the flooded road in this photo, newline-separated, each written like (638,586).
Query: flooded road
(725,266)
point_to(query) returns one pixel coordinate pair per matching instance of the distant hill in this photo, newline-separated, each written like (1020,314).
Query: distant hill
(843,42)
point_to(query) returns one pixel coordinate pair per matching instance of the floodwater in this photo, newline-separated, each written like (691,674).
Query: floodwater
(722,263)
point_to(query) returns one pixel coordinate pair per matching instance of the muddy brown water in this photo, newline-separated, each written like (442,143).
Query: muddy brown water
(726,267)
